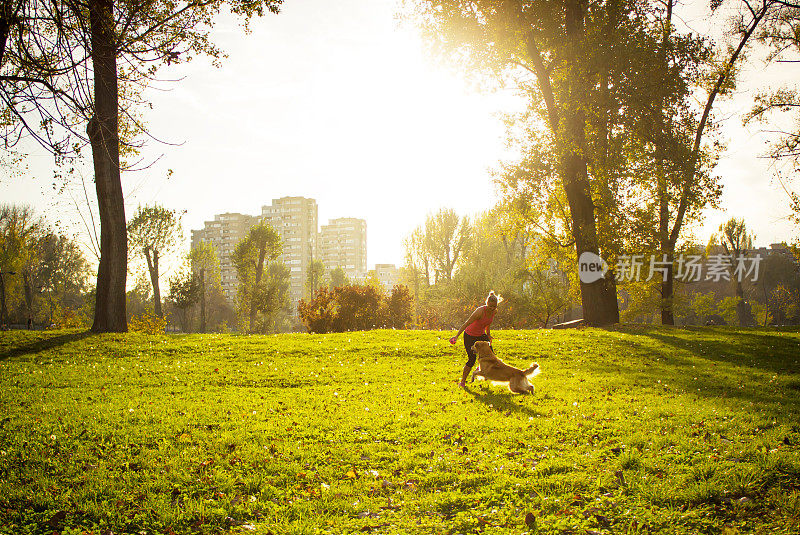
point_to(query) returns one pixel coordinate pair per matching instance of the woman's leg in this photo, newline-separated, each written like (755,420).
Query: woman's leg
(468,342)
(464,374)
(471,356)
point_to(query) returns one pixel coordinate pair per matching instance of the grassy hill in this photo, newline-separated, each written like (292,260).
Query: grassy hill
(631,430)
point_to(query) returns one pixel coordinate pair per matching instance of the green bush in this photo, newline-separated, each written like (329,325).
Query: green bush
(147,322)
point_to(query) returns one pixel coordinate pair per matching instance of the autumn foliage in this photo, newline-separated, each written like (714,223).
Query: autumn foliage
(356,308)
(147,322)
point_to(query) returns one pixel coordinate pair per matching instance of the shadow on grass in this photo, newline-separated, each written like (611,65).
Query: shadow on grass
(677,356)
(504,402)
(42,344)
(767,351)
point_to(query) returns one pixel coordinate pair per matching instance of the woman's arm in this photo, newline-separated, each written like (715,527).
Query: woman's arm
(475,316)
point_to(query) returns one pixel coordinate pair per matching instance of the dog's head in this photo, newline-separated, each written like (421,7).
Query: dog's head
(482,348)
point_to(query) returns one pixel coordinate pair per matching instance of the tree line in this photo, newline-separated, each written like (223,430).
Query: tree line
(452,262)
(45,281)
(195,300)
(44,275)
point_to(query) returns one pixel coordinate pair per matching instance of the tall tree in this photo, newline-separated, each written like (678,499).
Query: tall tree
(59,62)
(256,251)
(184,291)
(18,229)
(667,129)
(338,278)
(62,274)
(206,269)
(272,300)
(446,237)
(417,258)
(49,269)
(314,277)
(154,231)
(495,253)
(736,240)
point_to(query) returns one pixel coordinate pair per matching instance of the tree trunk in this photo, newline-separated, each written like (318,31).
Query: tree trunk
(7,18)
(667,296)
(103,130)
(667,248)
(744,312)
(152,268)
(259,272)
(50,307)
(599,298)
(668,285)
(416,298)
(28,291)
(202,300)
(5,27)
(3,310)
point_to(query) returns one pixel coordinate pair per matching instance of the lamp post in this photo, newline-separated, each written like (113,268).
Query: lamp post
(3,296)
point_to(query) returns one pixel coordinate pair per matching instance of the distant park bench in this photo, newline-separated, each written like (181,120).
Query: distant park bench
(574,324)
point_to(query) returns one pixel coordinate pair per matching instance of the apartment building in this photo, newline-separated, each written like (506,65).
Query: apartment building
(340,243)
(388,274)
(343,243)
(224,232)
(296,220)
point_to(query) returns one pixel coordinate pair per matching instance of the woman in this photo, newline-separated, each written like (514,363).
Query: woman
(477,327)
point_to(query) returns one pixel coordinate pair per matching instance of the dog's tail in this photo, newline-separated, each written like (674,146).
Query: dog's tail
(533,371)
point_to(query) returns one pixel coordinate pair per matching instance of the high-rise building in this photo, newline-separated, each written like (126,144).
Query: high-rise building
(343,243)
(224,233)
(296,220)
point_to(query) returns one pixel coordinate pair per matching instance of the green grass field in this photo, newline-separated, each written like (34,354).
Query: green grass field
(631,430)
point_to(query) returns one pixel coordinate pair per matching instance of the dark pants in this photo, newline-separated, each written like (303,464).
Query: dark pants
(469,340)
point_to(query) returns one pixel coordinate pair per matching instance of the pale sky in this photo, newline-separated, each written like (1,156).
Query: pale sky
(338,101)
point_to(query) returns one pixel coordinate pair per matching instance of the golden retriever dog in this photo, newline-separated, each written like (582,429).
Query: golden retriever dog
(492,368)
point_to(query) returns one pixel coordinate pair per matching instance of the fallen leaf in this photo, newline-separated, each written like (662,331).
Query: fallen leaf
(530,520)
(368,514)
(56,520)
(728,529)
